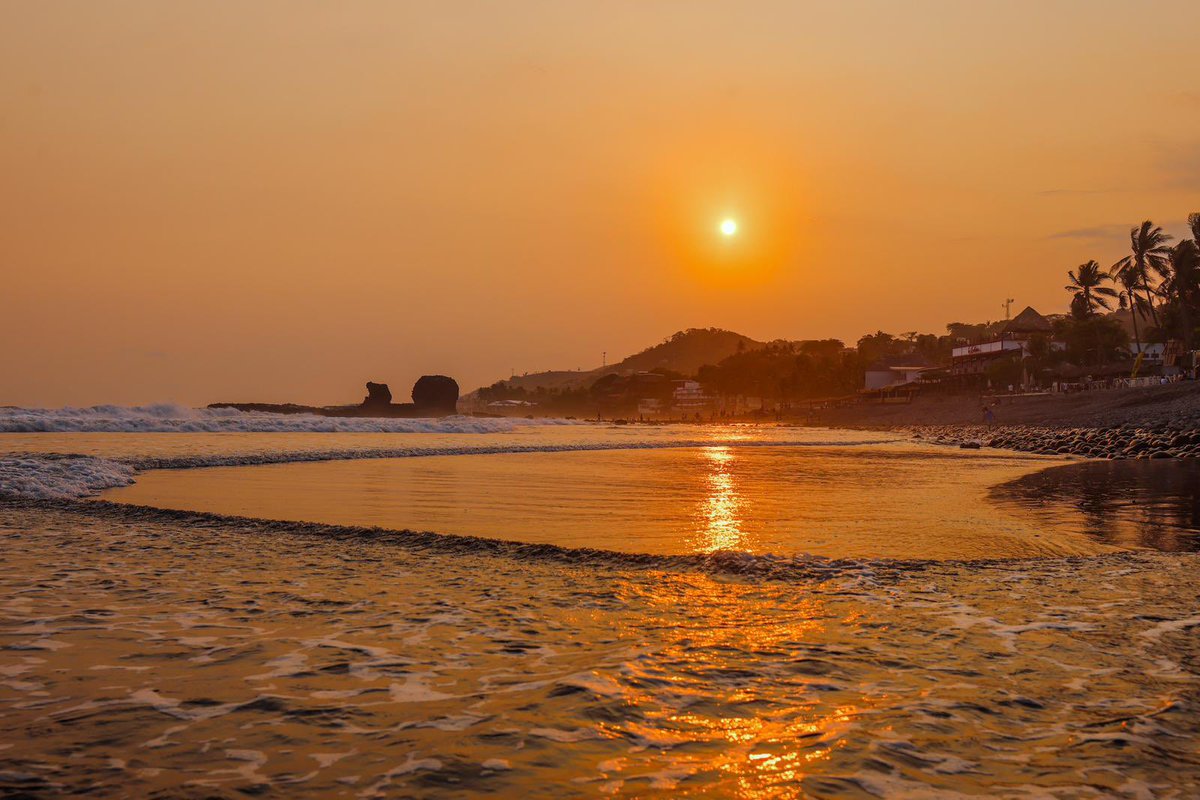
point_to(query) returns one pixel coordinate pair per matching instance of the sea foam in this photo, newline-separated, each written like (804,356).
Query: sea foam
(169,418)
(55,477)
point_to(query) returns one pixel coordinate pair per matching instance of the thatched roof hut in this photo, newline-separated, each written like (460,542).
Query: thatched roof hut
(1027,322)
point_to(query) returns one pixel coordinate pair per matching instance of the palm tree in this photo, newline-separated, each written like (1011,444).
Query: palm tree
(1149,249)
(1089,292)
(1194,224)
(1183,282)
(1128,298)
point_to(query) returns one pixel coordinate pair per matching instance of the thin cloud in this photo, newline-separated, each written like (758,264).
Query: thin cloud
(1094,232)
(1176,227)
(1053,192)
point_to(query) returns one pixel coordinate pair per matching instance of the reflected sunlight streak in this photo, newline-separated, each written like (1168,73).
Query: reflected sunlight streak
(765,731)
(720,511)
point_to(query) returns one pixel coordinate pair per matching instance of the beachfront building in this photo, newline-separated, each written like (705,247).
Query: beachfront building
(1013,341)
(895,371)
(649,407)
(1168,358)
(689,396)
(1152,352)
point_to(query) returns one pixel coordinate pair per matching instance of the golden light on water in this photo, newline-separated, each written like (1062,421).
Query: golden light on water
(720,511)
(762,747)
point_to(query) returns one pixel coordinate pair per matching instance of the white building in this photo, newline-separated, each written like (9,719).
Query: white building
(689,396)
(649,406)
(894,372)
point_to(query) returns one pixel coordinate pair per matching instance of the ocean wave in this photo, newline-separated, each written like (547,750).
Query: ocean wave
(170,418)
(60,477)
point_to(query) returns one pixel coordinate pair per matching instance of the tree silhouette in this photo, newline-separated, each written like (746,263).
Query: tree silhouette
(1182,284)
(1148,253)
(1089,291)
(1128,298)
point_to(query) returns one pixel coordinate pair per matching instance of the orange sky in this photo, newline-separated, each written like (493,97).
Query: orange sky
(279,201)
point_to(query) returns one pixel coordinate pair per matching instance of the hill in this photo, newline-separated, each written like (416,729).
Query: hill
(688,350)
(684,352)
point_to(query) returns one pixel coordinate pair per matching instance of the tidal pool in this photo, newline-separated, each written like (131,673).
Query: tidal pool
(879,500)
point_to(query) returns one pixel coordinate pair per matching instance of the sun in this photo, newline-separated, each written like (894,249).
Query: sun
(728,227)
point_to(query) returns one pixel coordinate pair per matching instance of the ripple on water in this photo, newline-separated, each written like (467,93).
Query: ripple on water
(236,657)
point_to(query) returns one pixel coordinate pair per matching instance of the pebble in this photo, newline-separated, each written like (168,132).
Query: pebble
(1120,442)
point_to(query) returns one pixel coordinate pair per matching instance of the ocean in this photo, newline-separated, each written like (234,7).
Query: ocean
(216,604)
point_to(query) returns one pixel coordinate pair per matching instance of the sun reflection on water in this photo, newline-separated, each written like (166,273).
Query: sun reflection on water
(719,515)
(744,697)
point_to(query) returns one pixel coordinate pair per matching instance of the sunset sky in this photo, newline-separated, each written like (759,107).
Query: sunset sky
(279,201)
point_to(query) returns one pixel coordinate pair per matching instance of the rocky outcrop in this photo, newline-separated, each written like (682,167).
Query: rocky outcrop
(435,393)
(378,394)
(433,396)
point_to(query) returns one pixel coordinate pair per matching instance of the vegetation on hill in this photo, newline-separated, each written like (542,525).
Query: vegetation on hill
(683,352)
(687,351)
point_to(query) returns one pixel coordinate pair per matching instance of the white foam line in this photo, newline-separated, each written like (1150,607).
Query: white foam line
(290,456)
(169,418)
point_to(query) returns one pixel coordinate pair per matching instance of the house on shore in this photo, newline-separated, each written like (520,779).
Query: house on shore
(895,371)
(1012,341)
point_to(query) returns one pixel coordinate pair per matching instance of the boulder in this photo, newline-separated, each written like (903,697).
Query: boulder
(378,394)
(435,393)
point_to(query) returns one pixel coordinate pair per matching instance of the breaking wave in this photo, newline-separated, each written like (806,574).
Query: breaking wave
(170,418)
(60,477)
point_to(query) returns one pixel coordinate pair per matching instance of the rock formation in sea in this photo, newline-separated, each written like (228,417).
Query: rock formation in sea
(378,394)
(433,396)
(435,393)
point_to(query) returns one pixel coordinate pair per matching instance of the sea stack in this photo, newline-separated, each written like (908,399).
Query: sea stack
(378,396)
(435,394)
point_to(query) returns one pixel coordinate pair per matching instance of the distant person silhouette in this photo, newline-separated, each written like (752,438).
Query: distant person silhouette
(989,418)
